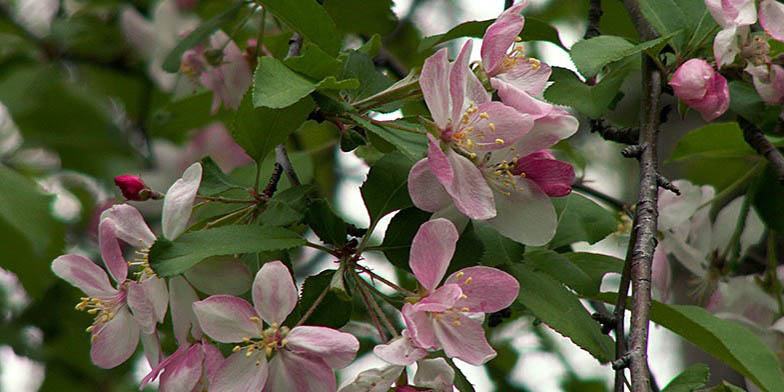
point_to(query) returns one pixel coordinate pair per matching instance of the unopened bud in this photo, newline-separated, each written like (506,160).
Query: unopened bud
(133,188)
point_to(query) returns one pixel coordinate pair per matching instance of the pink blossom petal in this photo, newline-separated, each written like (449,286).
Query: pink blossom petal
(716,100)
(434,373)
(502,126)
(439,162)
(744,11)
(141,307)
(768,81)
(488,290)
(213,360)
(420,326)
(220,275)
(274,292)
(677,209)
(426,192)
(469,190)
(226,318)
(520,100)
(336,348)
(547,131)
(440,300)
(432,250)
(554,177)
(111,253)
(114,342)
(178,203)
(299,373)
(184,374)
(157,294)
(726,46)
(458,78)
(181,297)
(435,87)
(240,373)
(500,36)
(375,380)
(152,348)
(691,79)
(84,274)
(400,351)
(525,215)
(529,75)
(771,17)
(129,225)
(660,274)
(464,339)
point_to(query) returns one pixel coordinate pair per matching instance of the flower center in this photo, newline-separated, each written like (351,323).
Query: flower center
(103,309)
(142,261)
(473,130)
(271,339)
(504,176)
(516,56)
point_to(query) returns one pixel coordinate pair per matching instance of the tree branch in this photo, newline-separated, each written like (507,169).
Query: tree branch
(594,17)
(281,156)
(619,135)
(756,139)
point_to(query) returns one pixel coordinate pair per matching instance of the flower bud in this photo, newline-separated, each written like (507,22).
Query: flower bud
(133,188)
(702,88)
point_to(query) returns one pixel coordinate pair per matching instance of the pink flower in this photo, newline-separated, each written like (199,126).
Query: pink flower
(133,188)
(769,81)
(511,66)
(221,67)
(734,16)
(303,358)
(702,88)
(771,17)
(468,123)
(445,317)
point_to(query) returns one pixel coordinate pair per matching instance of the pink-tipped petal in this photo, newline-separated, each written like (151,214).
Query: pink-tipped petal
(768,81)
(469,190)
(464,339)
(111,253)
(157,294)
(771,17)
(181,297)
(547,131)
(227,319)
(726,46)
(129,225)
(458,79)
(141,307)
(432,250)
(554,177)
(496,126)
(426,192)
(529,75)
(336,348)
(520,100)
(439,162)
(274,292)
(435,87)
(152,348)
(240,373)
(690,80)
(300,373)
(440,300)
(434,373)
(660,274)
(677,209)
(716,100)
(220,275)
(184,374)
(178,203)
(400,351)
(525,214)
(84,274)
(500,36)
(213,360)
(486,289)
(115,342)
(420,326)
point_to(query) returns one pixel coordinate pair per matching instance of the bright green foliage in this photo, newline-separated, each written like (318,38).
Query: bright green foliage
(581,219)
(696,376)
(309,19)
(259,130)
(591,100)
(385,189)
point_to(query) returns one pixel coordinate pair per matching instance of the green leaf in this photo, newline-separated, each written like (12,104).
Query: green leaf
(333,311)
(769,200)
(715,140)
(386,187)
(724,387)
(314,62)
(362,16)
(593,101)
(413,145)
(581,219)
(696,376)
(309,19)
(591,55)
(172,62)
(276,86)
(326,223)
(358,65)
(559,267)
(700,23)
(26,221)
(745,101)
(400,233)
(666,17)
(559,308)
(169,258)
(498,249)
(173,120)
(461,382)
(534,30)
(286,207)
(595,266)
(214,181)
(259,130)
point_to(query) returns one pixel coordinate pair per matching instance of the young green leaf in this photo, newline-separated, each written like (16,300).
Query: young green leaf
(214,181)
(696,376)
(581,219)
(386,187)
(309,19)
(326,223)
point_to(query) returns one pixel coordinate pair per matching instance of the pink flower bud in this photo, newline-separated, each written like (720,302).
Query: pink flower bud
(702,88)
(133,188)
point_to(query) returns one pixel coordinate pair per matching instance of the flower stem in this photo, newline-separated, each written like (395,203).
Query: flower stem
(226,200)
(321,248)
(371,309)
(313,307)
(374,275)
(376,307)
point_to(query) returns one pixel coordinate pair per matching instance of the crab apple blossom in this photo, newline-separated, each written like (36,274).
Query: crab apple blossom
(768,81)
(432,374)
(300,359)
(771,18)
(702,88)
(445,316)
(133,188)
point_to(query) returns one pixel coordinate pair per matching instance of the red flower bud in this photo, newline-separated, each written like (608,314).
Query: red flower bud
(133,188)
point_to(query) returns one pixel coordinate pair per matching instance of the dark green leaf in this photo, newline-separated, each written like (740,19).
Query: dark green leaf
(175,119)
(498,249)
(314,62)
(559,308)
(562,269)
(461,382)
(362,16)
(333,311)
(413,145)
(259,130)
(201,33)
(595,266)
(591,100)
(715,140)
(309,19)
(360,66)
(724,387)
(591,55)
(215,181)
(666,17)
(326,223)
(169,258)
(400,233)
(386,187)
(276,86)
(534,30)
(581,219)
(745,101)
(696,376)
(286,207)
(769,200)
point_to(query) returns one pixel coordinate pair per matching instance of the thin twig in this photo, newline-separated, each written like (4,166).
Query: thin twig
(619,135)
(755,138)
(281,156)
(615,202)
(272,185)
(378,277)
(371,311)
(508,3)
(594,17)
(377,308)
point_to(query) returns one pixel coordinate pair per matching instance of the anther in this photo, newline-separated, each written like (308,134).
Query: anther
(499,141)
(468,281)
(456,323)
(492,126)
(484,115)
